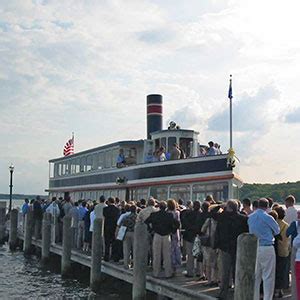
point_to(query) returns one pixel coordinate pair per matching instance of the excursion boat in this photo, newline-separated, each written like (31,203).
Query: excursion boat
(95,172)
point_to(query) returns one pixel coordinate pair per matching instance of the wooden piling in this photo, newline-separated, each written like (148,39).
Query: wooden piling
(245,267)
(2,222)
(140,254)
(66,246)
(13,232)
(46,237)
(28,233)
(97,252)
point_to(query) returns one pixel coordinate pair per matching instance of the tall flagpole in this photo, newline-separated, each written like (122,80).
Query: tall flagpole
(230,110)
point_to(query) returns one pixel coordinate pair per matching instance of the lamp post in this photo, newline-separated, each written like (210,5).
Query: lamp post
(11,170)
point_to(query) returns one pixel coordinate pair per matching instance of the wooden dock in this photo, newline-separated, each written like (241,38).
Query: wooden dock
(178,287)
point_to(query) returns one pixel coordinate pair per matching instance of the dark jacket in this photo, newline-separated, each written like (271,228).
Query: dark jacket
(292,230)
(37,210)
(111,214)
(230,225)
(162,222)
(191,225)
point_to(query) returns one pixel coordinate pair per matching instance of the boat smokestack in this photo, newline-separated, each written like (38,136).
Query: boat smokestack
(154,114)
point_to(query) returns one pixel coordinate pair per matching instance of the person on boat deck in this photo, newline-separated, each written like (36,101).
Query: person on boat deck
(161,154)
(121,159)
(175,152)
(211,150)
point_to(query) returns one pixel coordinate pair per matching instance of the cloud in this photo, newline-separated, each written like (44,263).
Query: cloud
(251,112)
(293,116)
(87,66)
(156,36)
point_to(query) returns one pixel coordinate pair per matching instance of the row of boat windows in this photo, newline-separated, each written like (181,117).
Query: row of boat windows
(92,162)
(185,192)
(108,158)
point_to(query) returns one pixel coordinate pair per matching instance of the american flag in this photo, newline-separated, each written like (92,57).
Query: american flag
(69,147)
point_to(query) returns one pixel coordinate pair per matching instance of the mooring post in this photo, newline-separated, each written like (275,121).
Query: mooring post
(28,232)
(245,267)
(2,222)
(13,232)
(46,236)
(66,246)
(140,255)
(97,252)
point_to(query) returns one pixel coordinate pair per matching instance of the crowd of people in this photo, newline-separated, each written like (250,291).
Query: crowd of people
(202,237)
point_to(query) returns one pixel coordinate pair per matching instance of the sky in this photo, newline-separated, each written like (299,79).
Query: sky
(87,66)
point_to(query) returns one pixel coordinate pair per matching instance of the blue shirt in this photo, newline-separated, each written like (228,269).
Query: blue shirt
(263,226)
(25,208)
(211,151)
(82,211)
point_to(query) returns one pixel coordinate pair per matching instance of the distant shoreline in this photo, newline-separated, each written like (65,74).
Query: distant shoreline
(21,196)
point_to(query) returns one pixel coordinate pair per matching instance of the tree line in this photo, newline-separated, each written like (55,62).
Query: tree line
(277,191)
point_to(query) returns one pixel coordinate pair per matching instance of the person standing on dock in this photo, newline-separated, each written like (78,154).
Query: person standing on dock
(191,222)
(264,227)
(111,214)
(74,213)
(99,207)
(25,210)
(163,224)
(230,224)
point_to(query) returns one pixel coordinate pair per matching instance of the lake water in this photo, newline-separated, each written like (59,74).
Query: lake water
(25,278)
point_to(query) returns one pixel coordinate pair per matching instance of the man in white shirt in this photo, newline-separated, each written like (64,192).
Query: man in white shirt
(291,211)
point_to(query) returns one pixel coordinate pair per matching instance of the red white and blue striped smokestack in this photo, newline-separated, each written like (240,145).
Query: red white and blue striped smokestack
(154,114)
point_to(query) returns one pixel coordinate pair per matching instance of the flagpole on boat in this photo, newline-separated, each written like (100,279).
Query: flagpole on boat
(230,109)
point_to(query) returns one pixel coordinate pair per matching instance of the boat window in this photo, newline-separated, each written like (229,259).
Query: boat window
(95,161)
(235,191)
(141,193)
(77,165)
(171,142)
(107,161)
(56,169)
(186,144)
(130,156)
(72,166)
(115,154)
(180,192)
(159,192)
(219,191)
(89,163)
(163,142)
(198,192)
(156,144)
(101,160)
(83,164)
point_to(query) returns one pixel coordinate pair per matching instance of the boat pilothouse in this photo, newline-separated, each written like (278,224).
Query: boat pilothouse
(98,171)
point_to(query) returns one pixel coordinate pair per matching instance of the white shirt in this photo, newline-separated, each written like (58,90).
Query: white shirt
(99,210)
(290,215)
(122,217)
(53,209)
(92,219)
